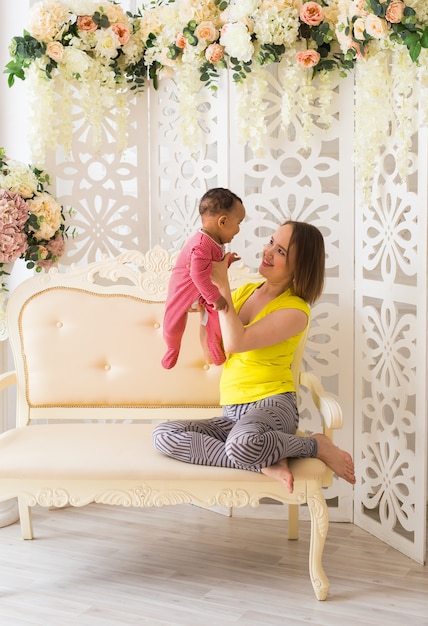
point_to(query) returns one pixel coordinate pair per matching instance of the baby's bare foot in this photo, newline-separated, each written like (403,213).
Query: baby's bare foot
(339,461)
(280,471)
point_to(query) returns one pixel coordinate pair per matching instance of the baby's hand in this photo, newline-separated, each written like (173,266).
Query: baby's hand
(220,304)
(233,256)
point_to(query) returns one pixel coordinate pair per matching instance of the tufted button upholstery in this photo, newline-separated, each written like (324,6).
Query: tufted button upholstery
(115,334)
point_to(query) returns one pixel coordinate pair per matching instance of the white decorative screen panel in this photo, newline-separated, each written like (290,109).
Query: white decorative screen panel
(391,356)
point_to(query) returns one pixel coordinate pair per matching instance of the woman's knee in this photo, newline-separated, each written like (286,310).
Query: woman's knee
(164,436)
(244,448)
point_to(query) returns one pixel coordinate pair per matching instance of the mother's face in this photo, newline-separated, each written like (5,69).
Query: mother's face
(278,257)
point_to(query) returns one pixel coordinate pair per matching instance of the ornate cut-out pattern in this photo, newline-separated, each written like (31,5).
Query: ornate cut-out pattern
(391,314)
(390,245)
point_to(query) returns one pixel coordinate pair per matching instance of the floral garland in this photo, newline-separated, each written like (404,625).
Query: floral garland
(244,36)
(32,223)
(107,54)
(94,47)
(389,41)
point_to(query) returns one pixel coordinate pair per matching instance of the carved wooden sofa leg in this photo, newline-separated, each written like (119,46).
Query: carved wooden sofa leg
(25,518)
(293,522)
(319,527)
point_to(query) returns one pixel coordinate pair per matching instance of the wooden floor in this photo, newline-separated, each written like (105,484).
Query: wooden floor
(185,566)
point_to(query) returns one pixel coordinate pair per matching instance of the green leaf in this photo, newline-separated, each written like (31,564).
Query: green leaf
(424,38)
(173,52)
(100,19)
(304,31)
(415,50)
(411,39)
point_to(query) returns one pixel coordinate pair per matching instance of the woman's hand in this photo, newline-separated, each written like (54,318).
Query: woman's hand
(219,273)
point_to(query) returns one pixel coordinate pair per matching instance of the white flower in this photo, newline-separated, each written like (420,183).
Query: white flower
(19,179)
(376,27)
(359,27)
(74,62)
(83,7)
(48,212)
(107,43)
(237,41)
(276,27)
(242,8)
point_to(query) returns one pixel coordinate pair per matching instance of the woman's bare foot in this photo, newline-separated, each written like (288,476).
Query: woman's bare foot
(339,461)
(280,471)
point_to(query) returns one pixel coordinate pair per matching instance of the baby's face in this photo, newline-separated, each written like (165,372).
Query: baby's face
(231,222)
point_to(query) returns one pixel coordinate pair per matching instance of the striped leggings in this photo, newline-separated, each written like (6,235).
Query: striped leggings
(248,436)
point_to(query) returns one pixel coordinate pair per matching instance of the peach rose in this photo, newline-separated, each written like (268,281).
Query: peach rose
(214,52)
(308,58)
(181,41)
(206,31)
(311,13)
(361,8)
(376,27)
(85,22)
(55,50)
(395,12)
(122,33)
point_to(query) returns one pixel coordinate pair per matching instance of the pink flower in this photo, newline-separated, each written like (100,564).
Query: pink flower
(85,22)
(214,52)
(308,58)
(311,13)
(13,216)
(395,12)
(56,246)
(122,32)
(181,41)
(51,253)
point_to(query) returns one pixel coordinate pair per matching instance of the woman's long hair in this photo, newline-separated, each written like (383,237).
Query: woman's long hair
(309,253)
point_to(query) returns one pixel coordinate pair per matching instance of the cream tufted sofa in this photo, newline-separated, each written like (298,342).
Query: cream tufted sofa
(87,345)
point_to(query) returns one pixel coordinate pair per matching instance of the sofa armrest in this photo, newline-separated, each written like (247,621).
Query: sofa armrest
(7,379)
(329,408)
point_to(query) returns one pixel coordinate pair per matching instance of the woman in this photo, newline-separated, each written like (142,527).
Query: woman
(261,328)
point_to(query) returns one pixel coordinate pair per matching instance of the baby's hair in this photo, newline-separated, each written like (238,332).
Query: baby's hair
(217,201)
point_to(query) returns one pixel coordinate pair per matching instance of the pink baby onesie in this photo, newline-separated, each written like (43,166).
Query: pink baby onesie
(191,281)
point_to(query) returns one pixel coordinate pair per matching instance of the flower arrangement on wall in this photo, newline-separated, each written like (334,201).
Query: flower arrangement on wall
(107,54)
(90,46)
(388,39)
(32,222)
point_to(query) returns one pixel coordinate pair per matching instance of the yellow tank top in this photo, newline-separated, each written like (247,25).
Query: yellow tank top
(256,374)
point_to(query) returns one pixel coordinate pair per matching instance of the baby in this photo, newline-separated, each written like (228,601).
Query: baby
(221,214)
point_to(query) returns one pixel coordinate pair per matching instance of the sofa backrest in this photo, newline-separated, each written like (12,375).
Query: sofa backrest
(87,343)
